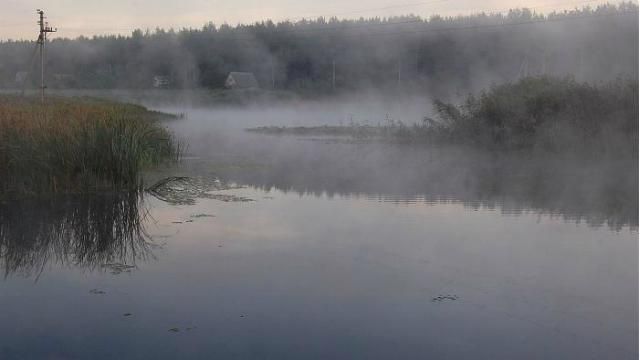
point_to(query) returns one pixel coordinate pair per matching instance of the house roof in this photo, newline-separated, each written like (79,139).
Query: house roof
(244,79)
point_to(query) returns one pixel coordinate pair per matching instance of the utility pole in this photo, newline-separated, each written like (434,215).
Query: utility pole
(524,68)
(333,76)
(399,72)
(42,39)
(273,75)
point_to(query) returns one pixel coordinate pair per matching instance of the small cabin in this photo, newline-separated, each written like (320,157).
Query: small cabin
(63,80)
(21,77)
(161,82)
(241,80)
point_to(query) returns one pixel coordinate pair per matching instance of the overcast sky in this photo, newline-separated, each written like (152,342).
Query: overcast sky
(90,17)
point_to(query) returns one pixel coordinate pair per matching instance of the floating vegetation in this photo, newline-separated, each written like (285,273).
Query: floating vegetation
(96,292)
(355,130)
(117,268)
(229,198)
(197,216)
(185,190)
(441,298)
(535,113)
(182,221)
(176,329)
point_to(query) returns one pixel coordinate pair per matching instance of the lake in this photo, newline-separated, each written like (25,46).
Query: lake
(329,248)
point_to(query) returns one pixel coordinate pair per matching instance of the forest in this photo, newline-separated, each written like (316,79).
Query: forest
(439,55)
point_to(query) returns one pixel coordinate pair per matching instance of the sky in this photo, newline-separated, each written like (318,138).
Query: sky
(97,17)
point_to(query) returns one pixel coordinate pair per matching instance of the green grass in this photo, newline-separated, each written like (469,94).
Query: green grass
(77,145)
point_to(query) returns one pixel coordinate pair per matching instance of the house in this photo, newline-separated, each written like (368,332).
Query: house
(161,82)
(63,80)
(21,77)
(241,80)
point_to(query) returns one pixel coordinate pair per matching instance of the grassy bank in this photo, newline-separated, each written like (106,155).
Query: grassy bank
(77,145)
(537,113)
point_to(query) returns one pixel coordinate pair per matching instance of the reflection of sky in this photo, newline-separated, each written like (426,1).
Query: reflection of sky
(305,277)
(89,17)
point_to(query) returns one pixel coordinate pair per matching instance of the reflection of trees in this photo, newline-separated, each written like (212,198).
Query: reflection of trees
(602,192)
(82,231)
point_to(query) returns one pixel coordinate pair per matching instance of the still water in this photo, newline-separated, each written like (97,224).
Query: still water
(348,250)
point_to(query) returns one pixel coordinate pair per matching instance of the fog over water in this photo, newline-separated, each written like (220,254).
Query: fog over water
(350,249)
(569,186)
(258,246)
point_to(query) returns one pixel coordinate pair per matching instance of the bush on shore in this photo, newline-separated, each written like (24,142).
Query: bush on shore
(554,114)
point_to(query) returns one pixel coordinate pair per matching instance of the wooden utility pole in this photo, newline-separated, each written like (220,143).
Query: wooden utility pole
(273,75)
(524,68)
(42,39)
(333,76)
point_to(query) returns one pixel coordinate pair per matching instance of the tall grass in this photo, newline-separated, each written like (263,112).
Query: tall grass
(77,145)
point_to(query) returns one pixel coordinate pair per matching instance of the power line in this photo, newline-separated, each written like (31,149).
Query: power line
(435,29)
(42,40)
(503,10)
(235,36)
(367,10)
(324,28)
(238,32)
(530,22)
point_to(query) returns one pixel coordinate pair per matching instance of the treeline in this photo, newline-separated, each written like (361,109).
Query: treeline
(441,55)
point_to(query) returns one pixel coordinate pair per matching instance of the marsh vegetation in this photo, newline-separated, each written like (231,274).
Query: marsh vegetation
(535,113)
(401,234)
(78,144)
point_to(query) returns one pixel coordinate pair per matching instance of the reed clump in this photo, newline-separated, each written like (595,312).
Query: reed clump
(77,145)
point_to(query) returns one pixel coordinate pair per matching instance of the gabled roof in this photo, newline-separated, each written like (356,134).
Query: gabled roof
(243,79)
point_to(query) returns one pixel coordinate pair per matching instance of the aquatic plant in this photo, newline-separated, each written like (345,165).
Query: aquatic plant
(554,114)
(78,144)
(557,115)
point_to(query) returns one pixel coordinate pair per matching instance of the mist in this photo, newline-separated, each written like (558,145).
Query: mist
(443,56)
(383,188)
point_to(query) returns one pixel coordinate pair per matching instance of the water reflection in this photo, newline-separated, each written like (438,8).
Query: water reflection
(83,231)
(576,190)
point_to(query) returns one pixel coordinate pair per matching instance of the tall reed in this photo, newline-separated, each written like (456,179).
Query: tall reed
(77,145)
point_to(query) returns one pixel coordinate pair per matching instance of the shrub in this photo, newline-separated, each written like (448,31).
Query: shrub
(544,112)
